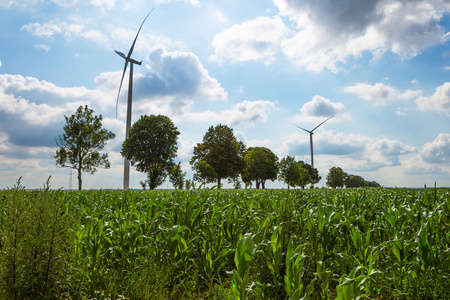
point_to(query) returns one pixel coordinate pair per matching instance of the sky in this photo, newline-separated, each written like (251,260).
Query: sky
(381,68)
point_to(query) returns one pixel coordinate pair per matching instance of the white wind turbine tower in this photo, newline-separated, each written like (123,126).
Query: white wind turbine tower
(311,132)
(128,59)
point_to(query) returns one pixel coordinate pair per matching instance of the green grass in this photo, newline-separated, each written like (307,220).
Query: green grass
(374,243)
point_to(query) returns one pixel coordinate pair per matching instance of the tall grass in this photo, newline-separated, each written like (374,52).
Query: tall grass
(225,244)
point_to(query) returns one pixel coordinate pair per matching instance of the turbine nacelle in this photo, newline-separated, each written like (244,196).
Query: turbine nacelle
(129,59)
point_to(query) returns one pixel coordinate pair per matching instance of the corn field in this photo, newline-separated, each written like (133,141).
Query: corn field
(373,243)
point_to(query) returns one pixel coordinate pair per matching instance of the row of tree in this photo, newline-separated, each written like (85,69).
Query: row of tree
(151,146)
(338,178)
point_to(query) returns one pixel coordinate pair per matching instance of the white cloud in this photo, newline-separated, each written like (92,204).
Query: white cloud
(248,112)
(108,4)
(41,91)
(439,101)
(77,28)
(43,47)
(251,40)
(252,143)
(401,111)
(438,151)
(185,148)
(357,152)
(175,80)
(379,93)
(193,2)
(320,108)
(325,34)
(220,16)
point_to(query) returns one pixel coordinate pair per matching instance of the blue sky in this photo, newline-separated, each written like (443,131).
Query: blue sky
(380,67)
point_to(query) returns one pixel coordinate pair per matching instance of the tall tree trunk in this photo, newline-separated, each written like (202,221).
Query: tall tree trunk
(218,183)
(79,178)
(263,183)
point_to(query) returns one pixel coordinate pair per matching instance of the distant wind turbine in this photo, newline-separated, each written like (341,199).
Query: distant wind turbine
(128,59)
(311,132)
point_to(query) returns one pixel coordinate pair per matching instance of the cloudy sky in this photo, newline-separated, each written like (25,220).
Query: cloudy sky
(381,67)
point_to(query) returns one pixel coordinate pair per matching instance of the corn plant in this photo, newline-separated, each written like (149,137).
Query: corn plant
(275,257)
(324,275)
(294,283)
(242,258)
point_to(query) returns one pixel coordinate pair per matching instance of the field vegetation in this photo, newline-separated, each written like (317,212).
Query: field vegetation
(371,243)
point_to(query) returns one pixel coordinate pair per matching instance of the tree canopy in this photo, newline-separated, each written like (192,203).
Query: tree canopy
(261,164)
(336,177)
(313,172)
(81,143)
(292,172)
(151,146)
(358,181)
(222,151)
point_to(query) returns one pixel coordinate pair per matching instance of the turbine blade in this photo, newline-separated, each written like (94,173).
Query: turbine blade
(134,42)
(120,86)
(121,54)
(302,128)
(321,123)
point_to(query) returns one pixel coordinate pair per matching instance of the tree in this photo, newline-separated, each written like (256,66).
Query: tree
(151,146)
(81,143)
(261,164)
(292,173)
(204,172)
(221,150)
(354,181)
(176,176)
(313,173)
(336,177)
(373,184)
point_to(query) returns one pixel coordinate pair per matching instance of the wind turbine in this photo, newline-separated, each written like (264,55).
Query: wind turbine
(311,132)
(128,59)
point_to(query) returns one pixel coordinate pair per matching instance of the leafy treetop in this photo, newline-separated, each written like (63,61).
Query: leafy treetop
(222,151)
(151,146)
(81,142)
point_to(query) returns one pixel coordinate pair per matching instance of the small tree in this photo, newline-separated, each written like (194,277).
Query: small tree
(292,173)
(313,173)
(81,142)
(336,177)
(151,146)
(261,164)
(221,150)
(176,176)
(354,181)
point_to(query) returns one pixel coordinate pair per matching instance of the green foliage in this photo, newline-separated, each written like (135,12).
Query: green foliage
(204,172)
(313,172)
(242,258)
(261,164)
(354,181)
(221,150)
(292,172)
(294,282)
(35,242)
(176,176)
(336,177)
(151,146)
(81,142)
(369,243)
